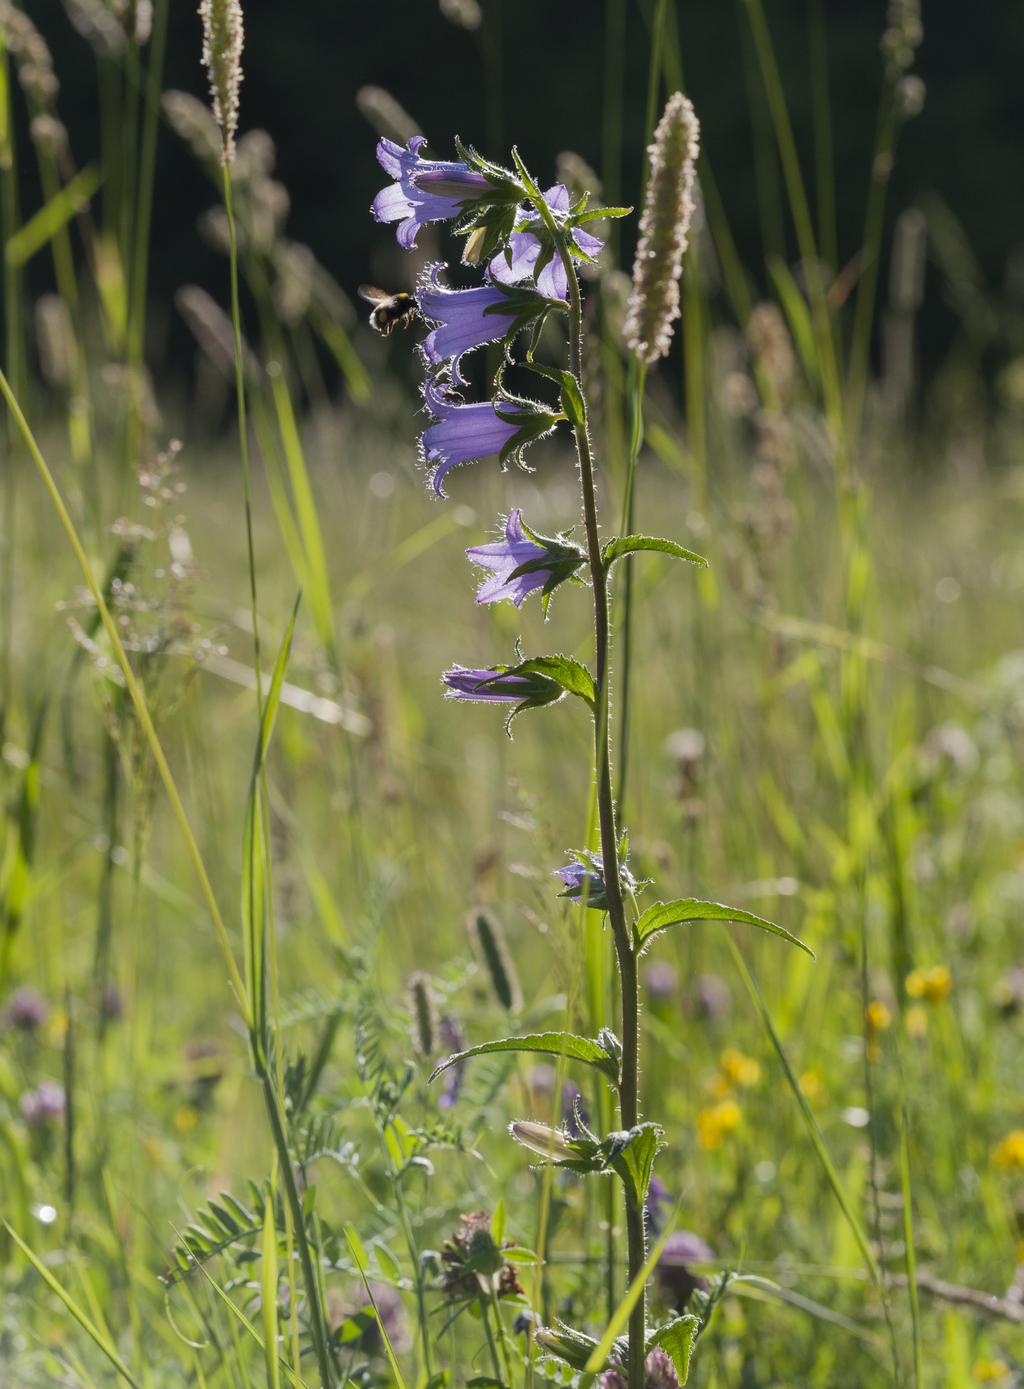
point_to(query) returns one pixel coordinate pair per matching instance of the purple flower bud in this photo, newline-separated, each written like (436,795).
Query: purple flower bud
(519,261)
(425,190)
(522,563)
(26,1010)
(465,433)
(487,686)
(584,879)
(42,1104)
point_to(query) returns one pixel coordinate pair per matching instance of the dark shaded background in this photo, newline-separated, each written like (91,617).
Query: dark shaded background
(305,60)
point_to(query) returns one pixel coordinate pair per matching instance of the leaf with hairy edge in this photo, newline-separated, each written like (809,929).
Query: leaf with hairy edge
(661,915)
(630,544)
(598,214)
(634,1161)
(572,398)
(570,675)
(677,1339)
(565,1044)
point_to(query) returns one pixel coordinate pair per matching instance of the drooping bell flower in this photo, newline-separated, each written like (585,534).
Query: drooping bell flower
(531,247)
(523,562)
(469,318)
(466,433)
(425,190)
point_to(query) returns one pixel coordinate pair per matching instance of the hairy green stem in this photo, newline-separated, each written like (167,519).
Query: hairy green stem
(637,382)
(629,1081)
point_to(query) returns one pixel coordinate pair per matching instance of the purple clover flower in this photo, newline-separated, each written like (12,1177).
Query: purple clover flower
(26,1010)
(469,318)
(465,433)
(45,1102)
(676,1280)
(522,563)
(519,262)
(425,190)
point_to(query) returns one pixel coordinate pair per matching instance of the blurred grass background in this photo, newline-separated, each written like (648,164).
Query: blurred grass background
(827,731)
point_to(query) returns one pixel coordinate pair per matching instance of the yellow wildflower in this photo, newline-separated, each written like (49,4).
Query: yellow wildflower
(879,1016)
(1008,1154)
(932,984)
(988,1371)
(812,1085)
(917,1021)
(186,1116)
(739,1069)
(714,1124)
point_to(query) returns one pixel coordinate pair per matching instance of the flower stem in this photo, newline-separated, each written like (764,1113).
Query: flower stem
(629,1082)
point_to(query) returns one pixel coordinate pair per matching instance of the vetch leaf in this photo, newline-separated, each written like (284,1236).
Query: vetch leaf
(565,1044)
(630,544)
(661,915)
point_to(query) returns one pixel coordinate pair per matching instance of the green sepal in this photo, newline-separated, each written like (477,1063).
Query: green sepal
(573,1347)
(624,545)
(571,396)
(659,916)
(570,675)
(583,1049)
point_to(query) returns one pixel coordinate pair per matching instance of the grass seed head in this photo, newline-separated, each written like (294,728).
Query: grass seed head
(664,229)
(497,960)
(222,57)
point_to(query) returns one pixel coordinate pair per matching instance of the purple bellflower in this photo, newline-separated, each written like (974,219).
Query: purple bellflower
(519,261)
(584,881)
(499,685)
(425,190)
(522,562)
(469,318)
(464,433)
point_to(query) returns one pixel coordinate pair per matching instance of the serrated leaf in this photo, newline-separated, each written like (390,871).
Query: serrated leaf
(677,1339)
(661,915)
(630,544)
(565,1044)
(633,1160)
(572,398)
(567,673)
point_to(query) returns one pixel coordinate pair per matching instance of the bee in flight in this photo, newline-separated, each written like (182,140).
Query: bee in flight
(390,311)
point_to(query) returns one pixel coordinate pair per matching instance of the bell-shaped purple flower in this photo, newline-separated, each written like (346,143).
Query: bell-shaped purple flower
(425,190)
(465,433)
(522,562)
(469,318)
(519,261)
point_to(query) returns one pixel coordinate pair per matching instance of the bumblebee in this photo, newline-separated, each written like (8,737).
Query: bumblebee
(390,311)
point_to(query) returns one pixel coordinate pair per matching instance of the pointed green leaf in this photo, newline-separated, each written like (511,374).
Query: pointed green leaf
(661,915)
(565,1044)
(634,1160)
(677,1340)
(570,675)
(629,545)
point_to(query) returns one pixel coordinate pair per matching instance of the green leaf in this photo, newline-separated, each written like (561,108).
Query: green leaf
(629,544)
(572,398)
(620,1317)
(634,1160)
(43,226)
(659,916)
(565,1044)
(101,1339)
(598,214)
(570,675)
(677,1340)
(355,1246)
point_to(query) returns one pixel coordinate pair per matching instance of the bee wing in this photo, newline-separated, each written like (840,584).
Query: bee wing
(372,295)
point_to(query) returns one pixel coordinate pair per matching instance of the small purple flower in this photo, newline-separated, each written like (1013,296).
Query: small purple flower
(454,1040)
(425,190)
(469,318)
(42,1104)
(26,1010)
(521,563)
(519,261)
(661,981)
(465,433)
(676,1281)
(584,879)
(658,1197)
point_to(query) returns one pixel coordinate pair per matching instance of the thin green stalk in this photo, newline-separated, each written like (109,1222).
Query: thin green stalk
(824,168)
(485,1317)
(629,1081)
(414,1259)
(243,428)
(13,364)
(134,690)
(637,385)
